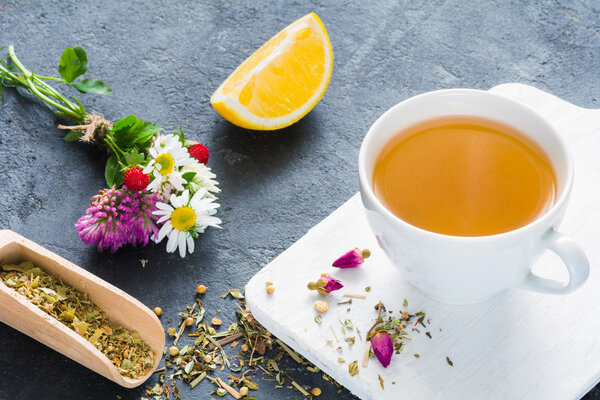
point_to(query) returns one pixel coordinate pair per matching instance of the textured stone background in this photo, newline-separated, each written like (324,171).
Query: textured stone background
(164,60)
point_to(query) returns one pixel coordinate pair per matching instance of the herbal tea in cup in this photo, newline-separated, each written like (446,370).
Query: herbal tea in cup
(463,189)
(464,176)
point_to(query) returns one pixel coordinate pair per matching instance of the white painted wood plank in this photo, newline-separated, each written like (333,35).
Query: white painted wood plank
(519,345)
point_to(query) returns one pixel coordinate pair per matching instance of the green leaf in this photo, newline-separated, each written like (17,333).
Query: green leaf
(73,63)
(112,172)
(82,56)
(81,109)
(132,132)
(124,123)
(188,176)
(134,158)
(92,86)
(73,136)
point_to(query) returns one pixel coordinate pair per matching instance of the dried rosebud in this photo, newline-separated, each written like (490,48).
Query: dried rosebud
(352,259)
(325,285)
(382,347)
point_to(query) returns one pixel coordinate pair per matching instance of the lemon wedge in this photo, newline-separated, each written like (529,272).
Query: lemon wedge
(282,81)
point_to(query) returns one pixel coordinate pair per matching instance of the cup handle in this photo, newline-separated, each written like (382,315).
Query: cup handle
(572,256)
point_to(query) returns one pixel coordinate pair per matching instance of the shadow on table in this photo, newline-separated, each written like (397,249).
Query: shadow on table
(248,158)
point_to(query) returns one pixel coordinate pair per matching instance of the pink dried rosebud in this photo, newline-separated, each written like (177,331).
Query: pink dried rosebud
(325,285)
(382,347)
(352,259)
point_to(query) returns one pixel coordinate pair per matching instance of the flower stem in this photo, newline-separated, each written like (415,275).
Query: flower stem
(113,146)
(51,78)
(41,90)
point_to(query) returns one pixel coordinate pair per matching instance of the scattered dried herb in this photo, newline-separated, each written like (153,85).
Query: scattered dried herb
(359,335)
(295,356)
(334,335)
(366,354)
(300,389)
(129,354)
(355,296)
(206,356)
(348,324)
(234,293)
(390,330)
(450,363)
(353,368)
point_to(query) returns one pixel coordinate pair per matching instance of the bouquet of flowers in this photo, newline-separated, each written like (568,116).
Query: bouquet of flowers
(158,185)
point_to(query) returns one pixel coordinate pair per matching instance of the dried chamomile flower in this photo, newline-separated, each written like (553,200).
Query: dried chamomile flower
(321,306)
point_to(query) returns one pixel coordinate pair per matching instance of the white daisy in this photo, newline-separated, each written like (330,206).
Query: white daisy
(167,156)
(184,218)
(203,177)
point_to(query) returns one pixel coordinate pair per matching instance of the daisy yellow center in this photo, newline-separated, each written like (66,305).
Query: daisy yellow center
(165,163)
(183,218)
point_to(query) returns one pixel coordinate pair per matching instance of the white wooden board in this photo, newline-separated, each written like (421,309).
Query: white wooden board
(519,345)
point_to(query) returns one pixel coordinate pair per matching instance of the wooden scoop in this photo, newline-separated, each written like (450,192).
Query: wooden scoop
(122,309)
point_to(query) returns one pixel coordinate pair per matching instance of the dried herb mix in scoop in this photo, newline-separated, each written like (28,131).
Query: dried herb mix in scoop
(130,355)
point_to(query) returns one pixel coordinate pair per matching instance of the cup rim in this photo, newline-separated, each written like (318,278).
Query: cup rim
(367,189)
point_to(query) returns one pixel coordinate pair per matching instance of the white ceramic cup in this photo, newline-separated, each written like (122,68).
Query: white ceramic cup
(464,270)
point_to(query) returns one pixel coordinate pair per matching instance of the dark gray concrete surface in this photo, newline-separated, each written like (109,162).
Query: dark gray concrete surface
(164,60)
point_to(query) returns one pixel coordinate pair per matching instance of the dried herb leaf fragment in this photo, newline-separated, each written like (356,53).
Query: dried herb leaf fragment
(353,368)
